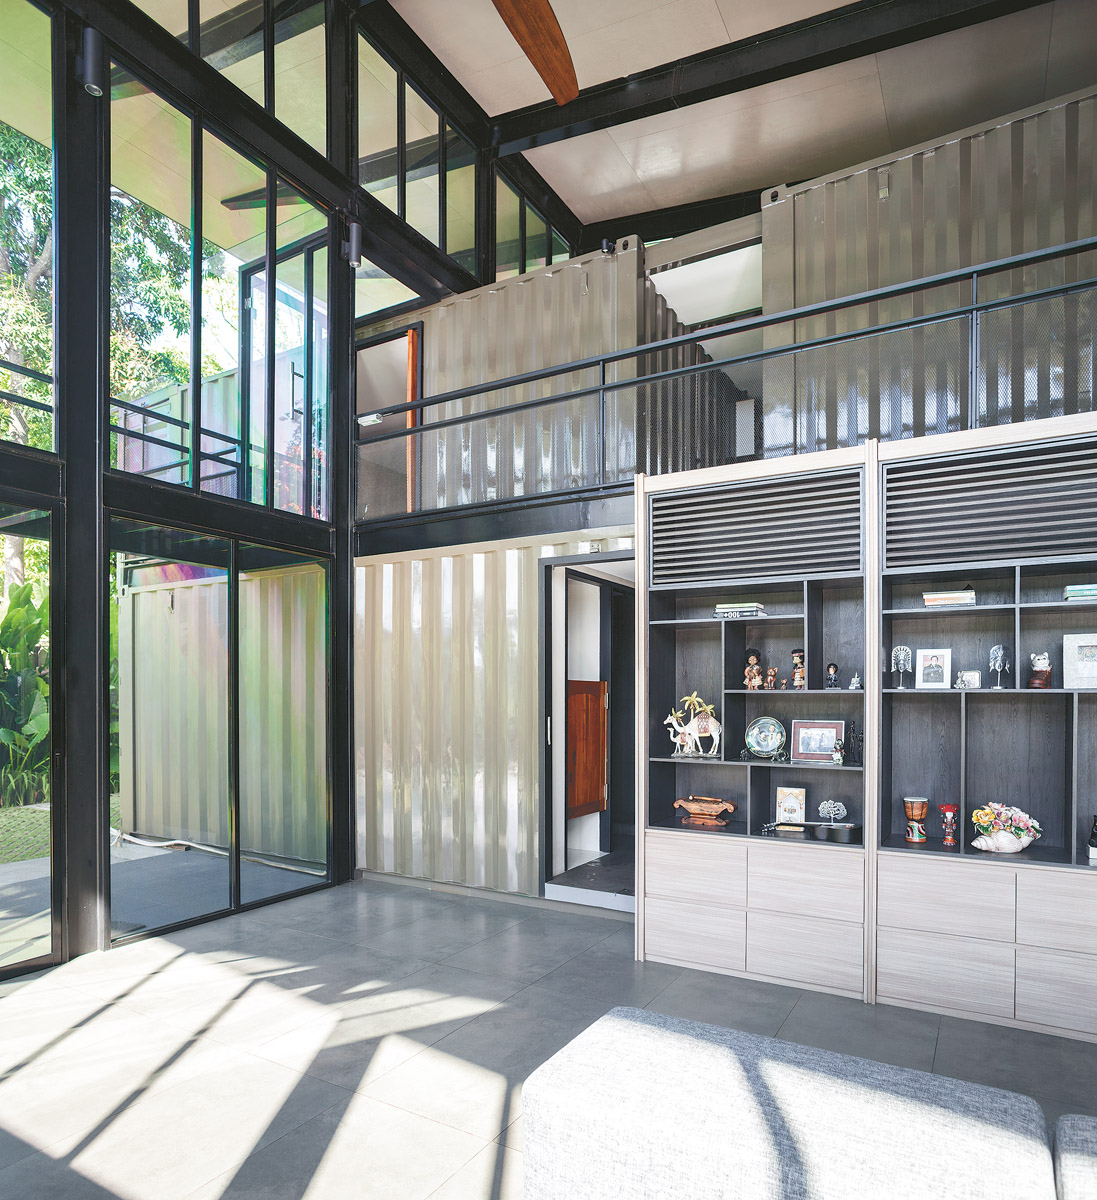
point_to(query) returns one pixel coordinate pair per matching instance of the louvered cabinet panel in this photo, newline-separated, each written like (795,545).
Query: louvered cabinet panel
(1025,502)
(790,527)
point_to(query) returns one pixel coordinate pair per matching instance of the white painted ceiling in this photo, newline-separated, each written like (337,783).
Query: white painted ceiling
(784,132)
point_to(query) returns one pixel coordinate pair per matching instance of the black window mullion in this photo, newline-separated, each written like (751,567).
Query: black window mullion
(234,724)
(401,144)
(268,55)
(521,235)
(194,26)
(443,130)
(306,440)
(271,307)
(196,305)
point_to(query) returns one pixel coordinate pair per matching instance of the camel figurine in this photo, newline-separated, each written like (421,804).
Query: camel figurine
(702,723)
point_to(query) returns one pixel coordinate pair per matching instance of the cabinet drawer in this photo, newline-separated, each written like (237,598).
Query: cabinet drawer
(695,866)
(804,950)
(696,935)
(918,893)
(801,880)
(1058,910)
(945,972)
(1054,988)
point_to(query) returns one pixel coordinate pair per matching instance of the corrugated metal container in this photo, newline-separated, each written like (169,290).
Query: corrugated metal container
(447,731)
(173,712)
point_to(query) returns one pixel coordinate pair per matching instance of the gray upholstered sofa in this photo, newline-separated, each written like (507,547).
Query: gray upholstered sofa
(644,1106)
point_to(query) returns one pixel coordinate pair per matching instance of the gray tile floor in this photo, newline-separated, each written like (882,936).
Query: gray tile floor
(372,1040)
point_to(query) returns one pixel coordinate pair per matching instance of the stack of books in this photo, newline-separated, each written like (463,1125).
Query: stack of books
(731,610)
(960,598)
(1086,592)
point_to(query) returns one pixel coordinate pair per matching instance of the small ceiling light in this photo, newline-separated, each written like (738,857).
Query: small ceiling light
(89,63)
(352,247)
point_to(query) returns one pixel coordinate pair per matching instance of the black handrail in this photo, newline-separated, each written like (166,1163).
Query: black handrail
(748,324)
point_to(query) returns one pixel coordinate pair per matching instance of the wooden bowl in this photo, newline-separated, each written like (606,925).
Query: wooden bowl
(705,810)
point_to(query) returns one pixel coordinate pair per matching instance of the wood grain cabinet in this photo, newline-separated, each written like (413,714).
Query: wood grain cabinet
(938,971)
(937,896)
(1057,910)
(819,953)
(787,879)
(695,935)
(1057,988)
(709,870)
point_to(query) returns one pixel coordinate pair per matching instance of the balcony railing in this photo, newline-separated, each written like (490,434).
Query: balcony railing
(1004,342)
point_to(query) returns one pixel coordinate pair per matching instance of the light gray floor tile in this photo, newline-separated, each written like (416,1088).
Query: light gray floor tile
(358,1148)
(513,1137)
(472,1078)
(535,947)
(899,1036)
(609,971)
(444,933)
(1054,1109)
(1035,1064)
(746,1004)
(496,1172)
(45,1178)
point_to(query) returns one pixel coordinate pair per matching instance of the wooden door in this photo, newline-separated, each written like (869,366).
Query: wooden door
(586,746)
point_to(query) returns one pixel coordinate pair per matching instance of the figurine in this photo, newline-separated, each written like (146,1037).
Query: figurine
(838,754)
(853,755)
(1091,845)
(948,818)
(784,684)
(915,808)
(702,723)
(752,676)
(799,676)
(680,736)
(999,662)
(855,682)
(901,660)
(771,679)
(1041,670)
(960,683)
(832,810)
(831,680)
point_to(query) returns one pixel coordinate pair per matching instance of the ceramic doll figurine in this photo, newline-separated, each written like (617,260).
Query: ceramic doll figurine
(1041,670)
(838,754)
(771,679)
(784,683)
(799,676)
(831,680)
(752,675)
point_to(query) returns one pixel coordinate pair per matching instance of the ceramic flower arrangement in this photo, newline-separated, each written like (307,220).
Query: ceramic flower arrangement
(1003,829)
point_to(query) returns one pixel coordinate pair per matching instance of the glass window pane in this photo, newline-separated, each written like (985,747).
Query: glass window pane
(460,200)
(234,231)
(172,14)
(169,723)
(298,222)
(508,250)
(421,164)
(321,399)
(150,277)
(560,251)
(377,126)
(536,240)
(26,926)
(26,226)
(300,74)
(231,39)
(375,290)
(283,722)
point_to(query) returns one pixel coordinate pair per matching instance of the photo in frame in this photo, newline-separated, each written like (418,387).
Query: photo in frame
(813,741)
(791,804)
(933,669)
(1080,660)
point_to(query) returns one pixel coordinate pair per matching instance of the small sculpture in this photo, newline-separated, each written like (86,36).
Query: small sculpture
(1091,845)
(901,661)
(1004,829)
(679,738)
(948,819)
(831,680)
(915,808)
(705,810)
(838,754)
(799,676)
(752,675)
(999,662)
(852,746)
(702,723)
(960,683)
(855,682)
(832,810)
(784,684)
(1041,672)
(771,679)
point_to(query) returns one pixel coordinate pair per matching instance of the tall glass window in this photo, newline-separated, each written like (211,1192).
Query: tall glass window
(283,722)
(537,240)
(508,230)
(150,283)
(231,40)
(26,798)
(170,810)
(421,159)
(378,83)
(26,226)
(300,72)
(460,200)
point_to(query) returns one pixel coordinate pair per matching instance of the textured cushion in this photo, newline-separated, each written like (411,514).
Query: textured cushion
(642,1106)
(1076,1158)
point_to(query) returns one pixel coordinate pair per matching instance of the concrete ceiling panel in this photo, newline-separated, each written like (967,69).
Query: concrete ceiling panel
(592,177)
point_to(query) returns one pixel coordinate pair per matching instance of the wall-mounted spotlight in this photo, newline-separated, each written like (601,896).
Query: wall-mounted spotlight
(352,247)
(607,246)
(89,62)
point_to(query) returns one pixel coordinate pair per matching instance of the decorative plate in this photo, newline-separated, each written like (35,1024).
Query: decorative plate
(765,737)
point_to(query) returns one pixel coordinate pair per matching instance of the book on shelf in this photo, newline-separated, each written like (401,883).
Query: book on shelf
(739,610)
(1080,591)
(958,598)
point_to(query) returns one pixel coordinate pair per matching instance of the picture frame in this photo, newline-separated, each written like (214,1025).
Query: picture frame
(813,741)
(1080,660)
(933,669)
(791,804)
(969,680)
